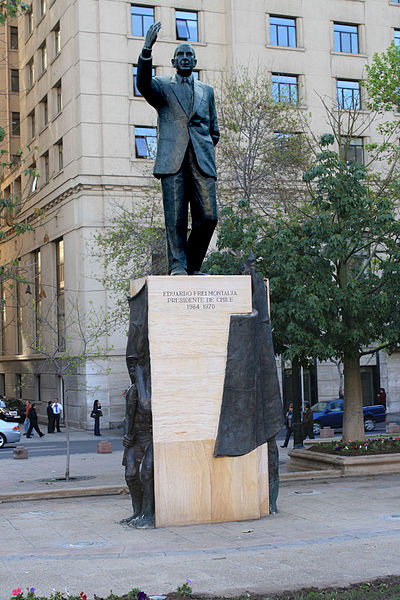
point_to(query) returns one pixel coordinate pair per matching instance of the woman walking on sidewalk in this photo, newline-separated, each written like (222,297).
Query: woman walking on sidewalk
(32,415)
(289,425)
(96,414)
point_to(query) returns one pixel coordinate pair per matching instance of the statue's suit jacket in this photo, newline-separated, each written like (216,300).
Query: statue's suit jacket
(175,126)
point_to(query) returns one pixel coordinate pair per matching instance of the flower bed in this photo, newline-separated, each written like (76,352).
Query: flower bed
(375,456)
(376,445)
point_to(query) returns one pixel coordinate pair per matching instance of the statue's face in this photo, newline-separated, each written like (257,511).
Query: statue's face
(184,59)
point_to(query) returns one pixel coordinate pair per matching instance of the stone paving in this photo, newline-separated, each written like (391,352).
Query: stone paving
(331,532)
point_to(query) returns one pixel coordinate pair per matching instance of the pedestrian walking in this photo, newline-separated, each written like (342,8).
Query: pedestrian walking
(26,422)
(57,410)
(382,397)
(96,414)
(33,422)
(308,422)
(50,417)
(289,425)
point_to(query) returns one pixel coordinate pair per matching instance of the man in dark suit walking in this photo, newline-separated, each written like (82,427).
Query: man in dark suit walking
(185,162)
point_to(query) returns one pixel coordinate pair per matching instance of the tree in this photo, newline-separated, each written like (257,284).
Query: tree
(11,8)
(333,268)
(262,152)
(67,339)
(131,246)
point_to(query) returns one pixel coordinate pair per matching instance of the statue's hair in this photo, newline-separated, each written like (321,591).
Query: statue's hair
(184,44)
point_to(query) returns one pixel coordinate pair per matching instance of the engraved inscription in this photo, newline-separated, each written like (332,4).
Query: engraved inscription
(199,299)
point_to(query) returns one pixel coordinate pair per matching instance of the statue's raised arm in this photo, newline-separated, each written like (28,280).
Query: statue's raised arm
(151,35)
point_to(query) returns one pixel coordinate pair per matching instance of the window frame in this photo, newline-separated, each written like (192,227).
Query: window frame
(144,25)
(354,146)
(346,33)
(44,59)
(139,135)
(188,39)
(13,36)
(57,39)
(289,84)
(15,124)
(341,105)
(276,25)
(14,78)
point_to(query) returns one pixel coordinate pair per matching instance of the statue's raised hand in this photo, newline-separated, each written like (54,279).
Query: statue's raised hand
(151,35)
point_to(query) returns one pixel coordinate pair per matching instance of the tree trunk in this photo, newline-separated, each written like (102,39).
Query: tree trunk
(67,437)
(353,419)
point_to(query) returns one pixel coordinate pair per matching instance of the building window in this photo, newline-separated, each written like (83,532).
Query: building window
(18,290)
(2,384)
(346,38)
(57,39)
(15,123)
(352,150)
(18,386)
(45,111)
(135,88)
(14,80)
(141,17)
(43,7)
(13,38)
(397,37)
(43,57)
(282,31)
(60,294)
(3,318)
(146,142)
(29,21)
(58,97)
(38,293)
(33,179)
(348,94)
(31,125)
(285,88)
(31,73)
(46,169)
(60,154)
(186,26)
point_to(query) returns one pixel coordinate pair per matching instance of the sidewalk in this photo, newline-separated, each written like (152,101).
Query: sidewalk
(327,532)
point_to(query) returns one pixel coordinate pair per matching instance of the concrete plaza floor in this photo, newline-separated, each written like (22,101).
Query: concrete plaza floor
(327,532)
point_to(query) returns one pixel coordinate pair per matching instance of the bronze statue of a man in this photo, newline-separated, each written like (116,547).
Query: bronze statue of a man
(138,454)
(185,162)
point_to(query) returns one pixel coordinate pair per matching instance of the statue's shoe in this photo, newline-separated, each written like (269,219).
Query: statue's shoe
(144,523)
(178,271)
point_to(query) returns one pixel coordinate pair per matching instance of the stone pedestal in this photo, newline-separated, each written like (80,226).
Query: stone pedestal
(189,321)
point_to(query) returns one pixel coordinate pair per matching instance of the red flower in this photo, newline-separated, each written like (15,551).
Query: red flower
(17,591)
(83,596)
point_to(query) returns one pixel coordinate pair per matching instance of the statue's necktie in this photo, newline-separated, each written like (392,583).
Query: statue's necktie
(187,89)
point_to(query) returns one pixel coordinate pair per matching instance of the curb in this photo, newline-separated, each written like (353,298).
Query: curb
(101,490)
(119,490)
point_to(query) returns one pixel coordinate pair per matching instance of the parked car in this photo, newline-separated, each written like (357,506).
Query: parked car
(12,409)
(9,432)
(330,414)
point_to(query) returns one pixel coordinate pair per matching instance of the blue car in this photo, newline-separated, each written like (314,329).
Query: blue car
(330,414)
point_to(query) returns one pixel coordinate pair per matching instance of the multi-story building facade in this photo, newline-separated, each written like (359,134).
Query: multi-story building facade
(71,104)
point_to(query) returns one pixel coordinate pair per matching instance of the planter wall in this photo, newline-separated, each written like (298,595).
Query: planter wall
(375,464)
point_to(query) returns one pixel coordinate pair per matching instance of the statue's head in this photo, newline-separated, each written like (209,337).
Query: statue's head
(184,59)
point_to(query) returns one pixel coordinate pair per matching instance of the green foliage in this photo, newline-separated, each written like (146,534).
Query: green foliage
(184,590)
(383,80)
(11,8)
(333,265)
(132,246)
